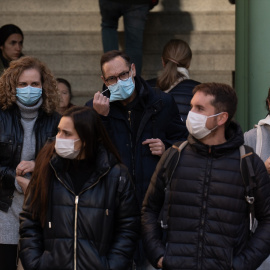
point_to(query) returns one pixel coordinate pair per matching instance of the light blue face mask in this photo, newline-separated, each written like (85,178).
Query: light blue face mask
(28,95)
(122,89)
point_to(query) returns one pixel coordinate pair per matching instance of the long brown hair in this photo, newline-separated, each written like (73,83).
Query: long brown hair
(91,132)
(10,78)
(176,53)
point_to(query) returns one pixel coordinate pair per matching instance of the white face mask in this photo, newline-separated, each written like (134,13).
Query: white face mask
(65,148)
(196,124)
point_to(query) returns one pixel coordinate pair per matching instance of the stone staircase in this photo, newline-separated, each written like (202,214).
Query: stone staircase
(66,34)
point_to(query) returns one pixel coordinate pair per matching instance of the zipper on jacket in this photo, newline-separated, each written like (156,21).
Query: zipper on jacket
(76,209)
(75,232)
(131,144)
(129,118)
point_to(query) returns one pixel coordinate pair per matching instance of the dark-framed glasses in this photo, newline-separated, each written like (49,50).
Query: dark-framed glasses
(122,76)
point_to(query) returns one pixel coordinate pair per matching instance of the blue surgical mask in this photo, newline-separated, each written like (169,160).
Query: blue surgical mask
(28,95)
(122,89)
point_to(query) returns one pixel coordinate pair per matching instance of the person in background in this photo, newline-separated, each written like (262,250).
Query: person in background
(64,89)
(28,100)
(258,138)
(135,16)
(80,210)
(11,44)
(174,78)
(141,122)
(203,212)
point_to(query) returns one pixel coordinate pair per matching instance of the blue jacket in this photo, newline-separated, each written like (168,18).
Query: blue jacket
(182,94)
(160,119)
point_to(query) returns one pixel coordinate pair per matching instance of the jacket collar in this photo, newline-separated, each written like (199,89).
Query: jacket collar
(234,137)
(103,162)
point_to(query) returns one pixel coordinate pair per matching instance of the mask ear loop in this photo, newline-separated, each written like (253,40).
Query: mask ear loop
(214,116)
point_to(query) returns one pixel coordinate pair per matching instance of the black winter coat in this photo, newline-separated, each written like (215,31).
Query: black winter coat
(208,221)
(94,230)
(182,94)
(11,142)
(160,119)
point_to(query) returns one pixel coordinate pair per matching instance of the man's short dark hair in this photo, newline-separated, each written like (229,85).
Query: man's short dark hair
(225,98)
(110,55)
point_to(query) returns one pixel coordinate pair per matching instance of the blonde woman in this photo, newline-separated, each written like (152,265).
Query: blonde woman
(28,100)
(174,78)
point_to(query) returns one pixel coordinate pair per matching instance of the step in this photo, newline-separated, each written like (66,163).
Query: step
(194,5)
(90,21)
(93,5)
(91,41)
(201,61)
(89,61)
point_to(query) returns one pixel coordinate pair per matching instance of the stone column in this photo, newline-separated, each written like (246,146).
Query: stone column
(252,60)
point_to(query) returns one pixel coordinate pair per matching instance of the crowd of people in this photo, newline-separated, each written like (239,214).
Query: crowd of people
(147,175)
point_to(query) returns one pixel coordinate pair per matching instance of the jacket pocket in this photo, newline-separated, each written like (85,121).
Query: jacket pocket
(6,148)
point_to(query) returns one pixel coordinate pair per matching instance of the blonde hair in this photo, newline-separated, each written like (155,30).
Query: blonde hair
(176,53)
(10,78)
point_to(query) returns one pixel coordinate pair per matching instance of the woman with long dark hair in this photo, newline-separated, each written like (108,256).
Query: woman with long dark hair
(11,44)
(80,210)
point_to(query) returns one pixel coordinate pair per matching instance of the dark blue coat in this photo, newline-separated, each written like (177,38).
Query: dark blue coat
(182,94)
(160,119)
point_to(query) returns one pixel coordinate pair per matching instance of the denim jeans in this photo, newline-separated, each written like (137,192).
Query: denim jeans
(134,22)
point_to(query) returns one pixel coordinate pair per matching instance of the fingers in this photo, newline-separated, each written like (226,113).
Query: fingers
(25,167)
(101,104)
(156,146)
(148,141)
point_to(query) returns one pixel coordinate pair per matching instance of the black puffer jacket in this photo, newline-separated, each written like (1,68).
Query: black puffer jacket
(11,142)
(208,223)
(94,230)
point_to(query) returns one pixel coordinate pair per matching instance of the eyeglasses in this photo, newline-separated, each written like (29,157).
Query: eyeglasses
(122,76)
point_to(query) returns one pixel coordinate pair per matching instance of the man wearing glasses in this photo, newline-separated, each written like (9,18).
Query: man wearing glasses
(141,122)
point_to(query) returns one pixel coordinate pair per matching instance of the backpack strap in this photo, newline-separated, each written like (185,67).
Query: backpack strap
(169,168)
(248,177)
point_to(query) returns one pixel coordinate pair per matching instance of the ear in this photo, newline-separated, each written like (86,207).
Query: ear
(103,79)
(222,118)
(133,68)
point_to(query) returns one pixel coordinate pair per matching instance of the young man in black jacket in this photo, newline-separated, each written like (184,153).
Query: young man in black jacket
(141,122)
(206,213)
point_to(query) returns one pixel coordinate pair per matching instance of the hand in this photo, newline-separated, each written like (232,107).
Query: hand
(25,167)
(101,104)
(156,146)
(267,165)
(23,182)
(160,261)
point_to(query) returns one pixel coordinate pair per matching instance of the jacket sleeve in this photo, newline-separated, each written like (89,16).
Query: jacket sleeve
(250,138)
(152,205)
(176,128)
(31,239)
(127,225)
(258,246)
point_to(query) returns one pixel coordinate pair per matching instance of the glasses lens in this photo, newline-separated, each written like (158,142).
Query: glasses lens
(112,80)
(124,76)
